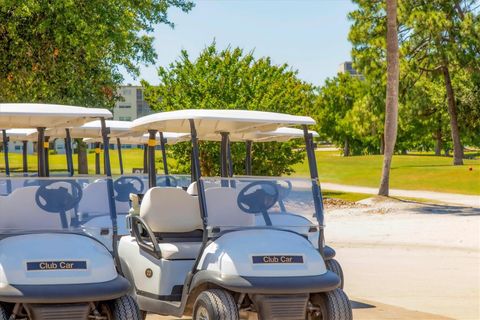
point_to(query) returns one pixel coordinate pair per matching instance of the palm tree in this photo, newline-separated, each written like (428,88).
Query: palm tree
(391,107)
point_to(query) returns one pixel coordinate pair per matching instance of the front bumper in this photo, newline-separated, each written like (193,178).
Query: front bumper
(65,293)
(269,285)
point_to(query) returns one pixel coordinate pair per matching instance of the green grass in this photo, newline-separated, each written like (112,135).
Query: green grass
(414,172)
(132,158)
(347,196)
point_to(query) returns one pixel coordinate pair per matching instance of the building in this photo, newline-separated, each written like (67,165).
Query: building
(347,66)
(132,106)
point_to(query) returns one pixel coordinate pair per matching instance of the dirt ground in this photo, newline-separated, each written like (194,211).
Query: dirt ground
(406,260)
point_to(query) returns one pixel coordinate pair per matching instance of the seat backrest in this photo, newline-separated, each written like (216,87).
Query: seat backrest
(170,209)
(222,208)
(95,200)
(21,212)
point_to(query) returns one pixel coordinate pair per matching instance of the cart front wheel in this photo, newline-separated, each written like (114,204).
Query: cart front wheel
(333,305)
(125,308)
(215,304)
(335,267)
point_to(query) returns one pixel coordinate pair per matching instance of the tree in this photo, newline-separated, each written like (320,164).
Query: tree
(439,43)
(391,108)
(232,79)
(336,100)
(72,51)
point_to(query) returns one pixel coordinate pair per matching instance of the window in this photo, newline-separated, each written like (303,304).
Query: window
(126,92)
(17,148)
(124,107)
(125,118)
(139,94)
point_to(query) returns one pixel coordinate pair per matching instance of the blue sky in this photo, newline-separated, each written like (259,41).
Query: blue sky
(311,36)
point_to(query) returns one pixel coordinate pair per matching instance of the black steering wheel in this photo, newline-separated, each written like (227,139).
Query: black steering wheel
(126,185)
(59,199)
(167,181)
(258,197)
(284,189)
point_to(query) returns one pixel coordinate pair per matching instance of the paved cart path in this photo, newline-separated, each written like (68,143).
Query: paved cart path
(451,198)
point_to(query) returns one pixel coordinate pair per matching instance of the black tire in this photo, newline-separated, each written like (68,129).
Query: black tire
(4,314)
(334,266)
(334,305)
(215,304)
(125,308)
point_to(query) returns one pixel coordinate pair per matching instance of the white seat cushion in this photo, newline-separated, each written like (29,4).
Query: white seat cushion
(169,209)
(180,250)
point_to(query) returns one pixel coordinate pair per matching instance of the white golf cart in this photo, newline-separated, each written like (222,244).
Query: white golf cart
(282,134)
(50,268)
(207,255)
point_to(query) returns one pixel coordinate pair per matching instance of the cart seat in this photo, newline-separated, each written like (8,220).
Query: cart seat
(170,209)
(21,212)
(180,250)
(95,201)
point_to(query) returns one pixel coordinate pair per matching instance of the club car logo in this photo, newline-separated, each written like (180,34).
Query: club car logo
(277,259)
(56,265)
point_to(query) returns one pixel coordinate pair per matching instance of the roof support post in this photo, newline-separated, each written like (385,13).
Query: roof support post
(248,157)
(24,157)
(110,191)
(164,158)
(40,152)
(198,173)
(145,158)
(5,141)
(97,158)
(46,149)
(152,174)
(68,152)
(120,158)
(316,191)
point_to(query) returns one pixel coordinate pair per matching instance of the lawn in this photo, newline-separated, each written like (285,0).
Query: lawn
(414,172)
(132,158)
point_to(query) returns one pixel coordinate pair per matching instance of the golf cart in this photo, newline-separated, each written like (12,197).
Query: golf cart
(207,256)
(50,268)
(285,186)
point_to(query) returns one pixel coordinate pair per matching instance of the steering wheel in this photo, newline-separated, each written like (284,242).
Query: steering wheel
(59,199)
(126,185)
(284,189)
(167,181)
(258,197)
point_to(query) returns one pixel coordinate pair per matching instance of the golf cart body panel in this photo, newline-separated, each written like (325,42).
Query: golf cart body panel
(51,266)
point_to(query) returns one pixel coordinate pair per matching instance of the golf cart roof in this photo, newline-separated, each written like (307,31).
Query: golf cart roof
(21,134)
(282,134)
(215,121)
(172,138)
(36,115)
(93,129)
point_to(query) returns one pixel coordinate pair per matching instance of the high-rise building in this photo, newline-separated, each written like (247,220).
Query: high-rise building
(347,67)
(133,104)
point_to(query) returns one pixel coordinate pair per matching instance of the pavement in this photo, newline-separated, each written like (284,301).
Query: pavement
(448,198)
(405,260)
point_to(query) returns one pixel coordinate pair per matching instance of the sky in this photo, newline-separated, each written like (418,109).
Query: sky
(310,36)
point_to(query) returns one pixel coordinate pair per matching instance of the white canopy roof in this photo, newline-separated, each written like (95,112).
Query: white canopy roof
(280,135)
(215,121)
(35,115)
(93,129)
(172,138)
(22,134)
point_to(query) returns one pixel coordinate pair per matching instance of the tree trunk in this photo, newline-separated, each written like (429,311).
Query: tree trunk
(391,107)
(452,112)
(346,148)
(438,142)
(382,144)
(82,157)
